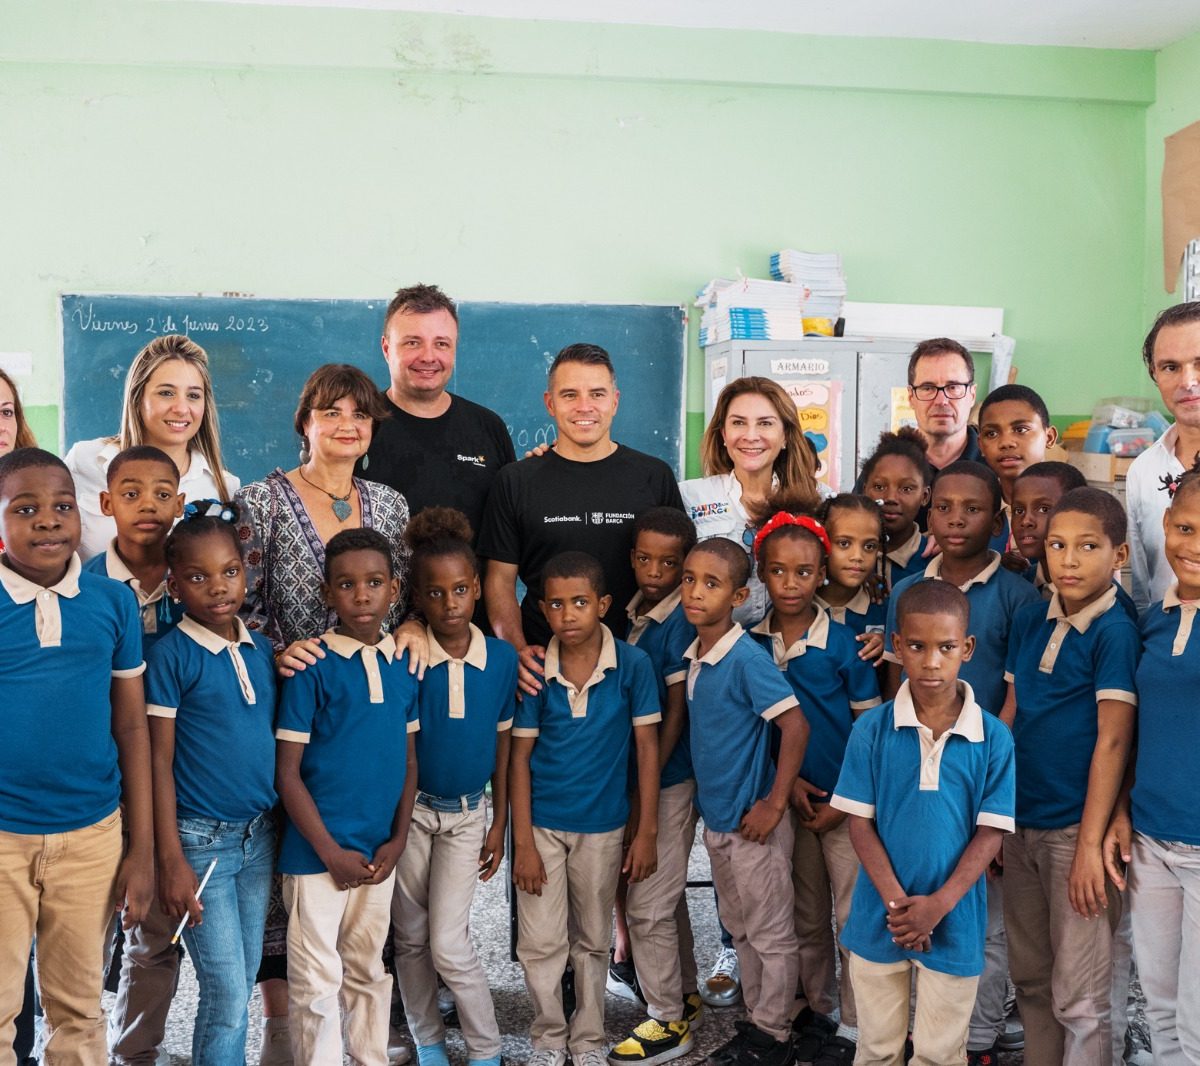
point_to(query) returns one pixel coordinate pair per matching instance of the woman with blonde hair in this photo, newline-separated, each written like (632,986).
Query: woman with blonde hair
(168,403)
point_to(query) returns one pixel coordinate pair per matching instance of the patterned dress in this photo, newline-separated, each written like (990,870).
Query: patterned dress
(285,565)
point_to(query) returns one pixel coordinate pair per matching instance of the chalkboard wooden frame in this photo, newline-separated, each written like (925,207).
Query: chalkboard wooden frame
(261,351)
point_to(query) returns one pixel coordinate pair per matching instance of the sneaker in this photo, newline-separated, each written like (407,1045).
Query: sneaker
(693,1010)
(548,1057)
(592,1057)
(724,985)
(653,1041)
(810,1030)
(762,1049)
(398,1049)
(622,980)
(276,1048)
(836,1051)
(988,1057)
(727,1053)
(1013,1037)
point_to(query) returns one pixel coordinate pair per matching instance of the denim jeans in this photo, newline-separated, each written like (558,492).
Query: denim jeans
(226,947)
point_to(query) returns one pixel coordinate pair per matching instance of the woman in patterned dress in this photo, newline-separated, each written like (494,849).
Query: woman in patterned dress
(285,521)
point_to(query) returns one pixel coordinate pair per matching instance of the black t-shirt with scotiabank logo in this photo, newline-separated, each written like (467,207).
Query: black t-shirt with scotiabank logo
(546,505)
(448,461)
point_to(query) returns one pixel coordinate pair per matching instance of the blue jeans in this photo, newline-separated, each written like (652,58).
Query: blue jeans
(227,946)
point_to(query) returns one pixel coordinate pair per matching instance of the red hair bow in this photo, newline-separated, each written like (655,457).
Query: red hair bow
(784,518)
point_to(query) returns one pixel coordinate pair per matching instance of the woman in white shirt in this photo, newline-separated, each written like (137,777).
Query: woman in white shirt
(753,446)
(168,403)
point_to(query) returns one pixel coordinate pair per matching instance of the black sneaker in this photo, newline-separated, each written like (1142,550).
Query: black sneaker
(693,1010)
(836,1051)
(988,1057)
(810,1030)
(727,1053)
(622,980)
(762,1049)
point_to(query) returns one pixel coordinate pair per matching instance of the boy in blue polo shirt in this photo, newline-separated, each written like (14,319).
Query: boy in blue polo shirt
(568,792)
(1073,668)
(656,908)
(144,500)
(735,695)
(928,782)
(74,745)
(1035,494)
(346,772)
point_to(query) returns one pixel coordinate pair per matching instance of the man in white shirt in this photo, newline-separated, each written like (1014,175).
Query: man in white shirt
(1172,355)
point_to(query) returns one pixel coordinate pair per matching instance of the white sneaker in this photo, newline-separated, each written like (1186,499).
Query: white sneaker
(549,1057)
(398,1051)
(724,985)
(593,1057)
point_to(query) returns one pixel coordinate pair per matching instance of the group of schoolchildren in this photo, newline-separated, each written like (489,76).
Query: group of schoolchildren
(1013,686)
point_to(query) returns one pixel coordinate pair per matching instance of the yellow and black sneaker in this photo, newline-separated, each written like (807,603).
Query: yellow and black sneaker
(693,1010)
(653,1041)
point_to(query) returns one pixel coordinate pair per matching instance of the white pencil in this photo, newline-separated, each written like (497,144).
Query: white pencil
(203,881)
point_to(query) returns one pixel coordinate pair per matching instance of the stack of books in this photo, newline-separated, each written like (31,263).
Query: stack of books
(819,273)
(750,309)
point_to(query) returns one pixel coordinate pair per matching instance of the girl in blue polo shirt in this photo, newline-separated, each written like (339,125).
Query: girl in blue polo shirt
(898,477)
(466,705)
(1156,829)
(820,659)
(856,536)
(210,694)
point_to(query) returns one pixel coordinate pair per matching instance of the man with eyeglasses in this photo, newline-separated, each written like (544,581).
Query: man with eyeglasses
(1172,356)
(941,389)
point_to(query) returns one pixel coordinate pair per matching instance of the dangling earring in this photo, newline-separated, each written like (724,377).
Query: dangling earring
(366,461)
(305,453)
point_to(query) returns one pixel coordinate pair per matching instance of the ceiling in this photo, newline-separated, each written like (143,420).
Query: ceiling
(1142,24)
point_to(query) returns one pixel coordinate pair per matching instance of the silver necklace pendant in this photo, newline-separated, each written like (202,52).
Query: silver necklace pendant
(341,508)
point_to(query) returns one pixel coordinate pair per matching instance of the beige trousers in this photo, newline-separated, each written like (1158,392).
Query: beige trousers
(754,892)
(1060,962)
(335,942)
(944,1005)
(59,888)
(656,910)
(570,920)
(431,911)
(824,869)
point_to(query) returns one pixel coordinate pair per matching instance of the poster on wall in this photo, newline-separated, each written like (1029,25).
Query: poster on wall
(819,405)
(902,410)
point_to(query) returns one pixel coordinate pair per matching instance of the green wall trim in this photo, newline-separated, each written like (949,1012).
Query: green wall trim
(151,32)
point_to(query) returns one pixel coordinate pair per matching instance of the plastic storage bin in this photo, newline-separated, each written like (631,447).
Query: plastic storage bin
(1126,443)
(1097,439)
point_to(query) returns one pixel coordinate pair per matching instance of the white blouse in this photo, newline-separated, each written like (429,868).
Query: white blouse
(88,462)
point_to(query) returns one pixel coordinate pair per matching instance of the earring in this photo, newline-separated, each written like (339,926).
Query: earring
(305,453)
(366,461)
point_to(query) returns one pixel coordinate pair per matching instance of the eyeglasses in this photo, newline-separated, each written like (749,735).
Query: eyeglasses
(954,390)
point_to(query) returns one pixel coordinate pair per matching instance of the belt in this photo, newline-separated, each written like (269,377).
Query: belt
(450,803)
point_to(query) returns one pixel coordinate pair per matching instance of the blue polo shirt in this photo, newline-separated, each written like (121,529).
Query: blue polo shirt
(831,684)
(733,693)
(906,559)
(664,634)
(160,614)
(995,595)
(1062,666)
(221,695)
(1038,579)
(927,797)
(861,614)
(1163,801)
(464,705)
(353,711)
(579,768)
(60,648)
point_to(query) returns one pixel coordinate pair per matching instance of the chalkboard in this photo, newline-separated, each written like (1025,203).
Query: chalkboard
(262,350)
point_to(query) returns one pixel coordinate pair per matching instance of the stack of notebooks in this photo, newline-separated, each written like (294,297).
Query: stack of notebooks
(820,273)
(808,286)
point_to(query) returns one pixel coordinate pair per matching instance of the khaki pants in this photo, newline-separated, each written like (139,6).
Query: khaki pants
(570,920)
(431,910)
(1061,963)
(656,910)
(149,974)
(335,942)
(754,892)
(824,869)
(59,888)
(943,1013)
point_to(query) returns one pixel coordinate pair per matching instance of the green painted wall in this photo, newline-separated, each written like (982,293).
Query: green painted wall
(1176,105)
(189,147)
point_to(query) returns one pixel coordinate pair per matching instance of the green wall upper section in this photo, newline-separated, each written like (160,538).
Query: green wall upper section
(182,147)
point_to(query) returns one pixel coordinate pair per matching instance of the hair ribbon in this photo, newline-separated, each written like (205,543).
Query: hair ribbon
(784,518)
(208,509)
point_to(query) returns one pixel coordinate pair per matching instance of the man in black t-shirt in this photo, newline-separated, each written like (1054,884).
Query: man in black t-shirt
(437,449)
(583,495)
